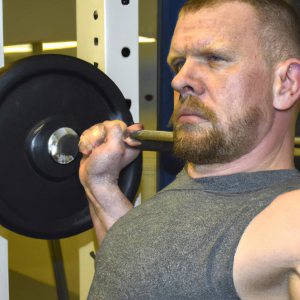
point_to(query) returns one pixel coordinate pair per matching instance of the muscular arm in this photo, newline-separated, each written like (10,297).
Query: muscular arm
(267,259)
(294,285)
(106,207)
(104,156)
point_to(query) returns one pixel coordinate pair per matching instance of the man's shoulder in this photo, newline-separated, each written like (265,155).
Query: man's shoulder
(288,202)
(285,212)
(271,244)
(287,205)
(279,227)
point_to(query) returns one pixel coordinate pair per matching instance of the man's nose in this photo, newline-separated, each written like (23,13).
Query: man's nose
(188,80)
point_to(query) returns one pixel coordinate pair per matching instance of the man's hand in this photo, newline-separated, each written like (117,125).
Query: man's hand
(104,152)
(104,156)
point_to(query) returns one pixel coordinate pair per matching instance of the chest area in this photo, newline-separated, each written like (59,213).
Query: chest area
(180,246)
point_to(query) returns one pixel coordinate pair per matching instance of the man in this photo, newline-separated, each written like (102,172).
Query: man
(229,226)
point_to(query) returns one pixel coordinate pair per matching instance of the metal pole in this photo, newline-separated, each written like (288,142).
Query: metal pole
(4,280)
(59,271)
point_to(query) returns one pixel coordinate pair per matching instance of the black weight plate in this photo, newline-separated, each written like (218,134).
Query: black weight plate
(40,198)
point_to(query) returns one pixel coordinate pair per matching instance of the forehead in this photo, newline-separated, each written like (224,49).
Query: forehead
(228,23)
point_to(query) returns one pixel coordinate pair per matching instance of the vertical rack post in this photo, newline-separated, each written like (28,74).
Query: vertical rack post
(107,37)
(4,288)
(4,285)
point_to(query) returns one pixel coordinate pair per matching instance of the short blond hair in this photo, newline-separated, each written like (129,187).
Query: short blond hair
(278,30)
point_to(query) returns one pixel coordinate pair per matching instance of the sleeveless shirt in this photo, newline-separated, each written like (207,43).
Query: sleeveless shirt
(181,243)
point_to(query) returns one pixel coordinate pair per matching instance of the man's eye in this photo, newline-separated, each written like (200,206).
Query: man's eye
(178,66)
(215,58)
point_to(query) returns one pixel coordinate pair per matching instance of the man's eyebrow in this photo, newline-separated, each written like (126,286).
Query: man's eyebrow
(199,51)
(210,49)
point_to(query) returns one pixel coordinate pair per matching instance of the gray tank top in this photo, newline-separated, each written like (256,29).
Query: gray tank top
(181,243)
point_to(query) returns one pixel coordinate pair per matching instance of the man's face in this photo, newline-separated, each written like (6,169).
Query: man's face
(225,105)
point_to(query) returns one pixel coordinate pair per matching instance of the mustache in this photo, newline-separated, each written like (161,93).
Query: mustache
(194,105)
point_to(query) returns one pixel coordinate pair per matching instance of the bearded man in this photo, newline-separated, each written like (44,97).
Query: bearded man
(228,227)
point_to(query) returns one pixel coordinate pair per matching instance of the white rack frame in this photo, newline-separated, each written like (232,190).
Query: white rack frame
(4,287)
(115,28)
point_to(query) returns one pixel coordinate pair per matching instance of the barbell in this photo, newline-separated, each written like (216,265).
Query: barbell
(46,102)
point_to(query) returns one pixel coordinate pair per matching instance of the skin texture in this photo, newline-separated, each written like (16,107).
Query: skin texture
(219,64)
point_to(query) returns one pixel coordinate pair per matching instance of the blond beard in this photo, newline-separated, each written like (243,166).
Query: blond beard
(209,142)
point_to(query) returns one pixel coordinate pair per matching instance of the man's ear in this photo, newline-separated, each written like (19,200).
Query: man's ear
(287,84)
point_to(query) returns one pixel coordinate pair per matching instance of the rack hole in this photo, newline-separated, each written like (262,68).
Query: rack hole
(96,41)
(149,97)
(125,52)
(96,14)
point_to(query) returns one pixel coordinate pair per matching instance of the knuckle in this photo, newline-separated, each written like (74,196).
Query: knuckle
(116,123)
(83,144)
(107,124)
(96,132)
